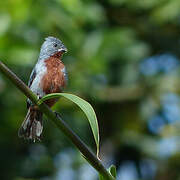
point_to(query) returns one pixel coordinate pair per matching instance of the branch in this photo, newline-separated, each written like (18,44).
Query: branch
(87,154)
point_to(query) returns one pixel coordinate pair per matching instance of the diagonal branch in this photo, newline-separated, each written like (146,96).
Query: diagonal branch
(87,154)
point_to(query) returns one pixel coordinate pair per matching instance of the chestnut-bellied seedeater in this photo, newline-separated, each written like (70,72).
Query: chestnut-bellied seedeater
(48,76)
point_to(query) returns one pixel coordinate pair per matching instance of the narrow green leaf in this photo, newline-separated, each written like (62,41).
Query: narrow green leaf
(112,170)
(86,108)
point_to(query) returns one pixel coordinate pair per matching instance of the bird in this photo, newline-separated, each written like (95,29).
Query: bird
(48,76)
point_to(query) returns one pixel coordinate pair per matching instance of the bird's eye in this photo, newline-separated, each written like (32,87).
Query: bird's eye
(55,45)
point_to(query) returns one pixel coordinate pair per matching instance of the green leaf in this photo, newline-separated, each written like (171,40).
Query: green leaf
(112,170)
(86,108)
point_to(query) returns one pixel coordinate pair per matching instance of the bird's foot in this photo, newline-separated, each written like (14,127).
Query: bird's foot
(39,97)
(57,114)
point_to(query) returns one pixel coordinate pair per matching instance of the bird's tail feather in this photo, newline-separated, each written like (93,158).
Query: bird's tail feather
(32,126)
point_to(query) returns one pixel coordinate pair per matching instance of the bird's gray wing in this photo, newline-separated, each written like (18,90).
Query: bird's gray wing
(32,76)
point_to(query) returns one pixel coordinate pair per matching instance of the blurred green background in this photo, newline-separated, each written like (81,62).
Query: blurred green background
(124,59)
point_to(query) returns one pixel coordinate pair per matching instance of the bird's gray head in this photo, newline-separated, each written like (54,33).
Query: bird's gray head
(52,46)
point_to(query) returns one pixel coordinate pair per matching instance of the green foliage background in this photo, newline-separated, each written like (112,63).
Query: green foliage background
(108,41)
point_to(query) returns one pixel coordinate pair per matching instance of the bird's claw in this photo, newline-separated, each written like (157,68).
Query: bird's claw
(39,97)
(57,114)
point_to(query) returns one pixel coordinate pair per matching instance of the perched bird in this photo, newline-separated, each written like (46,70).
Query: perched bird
(48,76)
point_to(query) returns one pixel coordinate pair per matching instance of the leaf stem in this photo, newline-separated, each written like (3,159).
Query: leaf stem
(86,152)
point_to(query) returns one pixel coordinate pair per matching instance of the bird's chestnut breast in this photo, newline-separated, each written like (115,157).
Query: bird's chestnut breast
(53,81)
